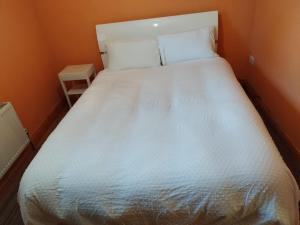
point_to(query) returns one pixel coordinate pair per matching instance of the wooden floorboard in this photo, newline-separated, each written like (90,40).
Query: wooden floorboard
(9,209)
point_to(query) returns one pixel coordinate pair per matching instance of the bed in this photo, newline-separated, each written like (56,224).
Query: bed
(177,144)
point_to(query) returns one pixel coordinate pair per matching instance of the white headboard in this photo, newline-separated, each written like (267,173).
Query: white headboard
(153,27)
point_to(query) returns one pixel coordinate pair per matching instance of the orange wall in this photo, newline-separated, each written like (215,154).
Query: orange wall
(38,38)
(70,25)
(276,76)
(26,71)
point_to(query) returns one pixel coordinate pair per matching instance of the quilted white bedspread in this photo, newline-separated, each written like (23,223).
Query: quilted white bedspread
(176,145)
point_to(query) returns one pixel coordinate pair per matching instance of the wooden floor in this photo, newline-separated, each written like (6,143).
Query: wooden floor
(9,209)
(12,216)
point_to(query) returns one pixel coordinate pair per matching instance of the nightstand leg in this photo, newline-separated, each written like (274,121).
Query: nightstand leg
(88,81)
(66,93)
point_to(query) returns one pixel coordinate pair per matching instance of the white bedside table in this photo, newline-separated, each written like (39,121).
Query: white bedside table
(73,73)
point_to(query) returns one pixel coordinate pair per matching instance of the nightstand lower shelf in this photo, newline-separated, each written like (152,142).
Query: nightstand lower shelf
(76,91)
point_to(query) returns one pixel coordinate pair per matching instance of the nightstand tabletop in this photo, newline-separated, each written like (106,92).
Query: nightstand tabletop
(77,72)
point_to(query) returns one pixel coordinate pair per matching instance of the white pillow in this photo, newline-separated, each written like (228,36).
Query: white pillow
(185,46)
(131,54)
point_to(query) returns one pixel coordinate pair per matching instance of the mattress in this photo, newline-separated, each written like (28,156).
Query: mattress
(174,145)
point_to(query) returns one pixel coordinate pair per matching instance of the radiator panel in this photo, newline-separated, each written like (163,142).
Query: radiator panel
(13,138)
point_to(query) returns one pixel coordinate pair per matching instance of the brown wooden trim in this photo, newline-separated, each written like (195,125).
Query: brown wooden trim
(49,124)
(268,119)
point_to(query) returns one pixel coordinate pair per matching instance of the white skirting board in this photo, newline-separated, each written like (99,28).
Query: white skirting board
(13,137)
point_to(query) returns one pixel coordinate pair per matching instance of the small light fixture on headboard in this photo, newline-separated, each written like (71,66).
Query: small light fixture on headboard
(155,24)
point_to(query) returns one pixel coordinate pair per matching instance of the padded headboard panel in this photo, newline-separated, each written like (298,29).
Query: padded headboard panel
(148,28)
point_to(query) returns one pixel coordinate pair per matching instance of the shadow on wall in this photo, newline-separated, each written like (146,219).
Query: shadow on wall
(239,47)
(279,107)
(220,37)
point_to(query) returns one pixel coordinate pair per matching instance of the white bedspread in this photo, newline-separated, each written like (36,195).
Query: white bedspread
(176,145)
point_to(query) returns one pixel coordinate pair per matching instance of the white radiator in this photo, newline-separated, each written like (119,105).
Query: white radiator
(13,137)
